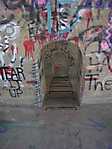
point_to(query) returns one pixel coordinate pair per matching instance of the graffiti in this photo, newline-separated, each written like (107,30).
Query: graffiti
(66,21)
(9,32)
(41,3)
(5,20)
(10,124)
(3,129)
(85,14)
(99,61)
(37,85)
(26,26)
(19,3)
(29,48)
(96,4)
(91,33)
(109,146)
(94,79)
(11,73)
(10,29)
(13,4)
(32,29)
(98,34)
(14,78)
(5,47)
(59,20)
(15,92)
(108,31)
(101,36)
(99,125)
(64,14)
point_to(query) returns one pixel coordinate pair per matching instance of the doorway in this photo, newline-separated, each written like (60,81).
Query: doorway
(64,78)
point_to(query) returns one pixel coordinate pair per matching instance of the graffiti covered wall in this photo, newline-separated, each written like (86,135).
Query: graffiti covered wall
(26,26)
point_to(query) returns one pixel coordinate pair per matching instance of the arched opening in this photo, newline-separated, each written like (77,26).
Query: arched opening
(62,71)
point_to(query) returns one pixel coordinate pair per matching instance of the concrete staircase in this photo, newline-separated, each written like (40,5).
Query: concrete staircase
(60,94)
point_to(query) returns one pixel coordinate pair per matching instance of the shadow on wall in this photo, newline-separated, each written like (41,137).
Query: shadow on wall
(62,58)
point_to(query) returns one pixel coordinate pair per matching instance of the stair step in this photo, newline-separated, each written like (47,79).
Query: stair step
(66,79)
(61,89)
(61,85)
(60,82)
(60,94)
(66,99)
(60,77)
(59,103)
(60,97)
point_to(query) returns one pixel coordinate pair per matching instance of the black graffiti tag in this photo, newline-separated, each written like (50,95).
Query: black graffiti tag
(15,76)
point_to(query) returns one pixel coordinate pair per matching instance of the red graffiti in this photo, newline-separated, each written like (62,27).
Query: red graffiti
(29,48)
(88,16)
(57,67)
(8,70)
(31,82)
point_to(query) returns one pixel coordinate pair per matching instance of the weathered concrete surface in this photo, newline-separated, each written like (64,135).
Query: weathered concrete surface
(26,128)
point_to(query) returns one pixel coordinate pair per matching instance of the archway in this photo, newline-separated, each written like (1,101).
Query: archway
(62,71)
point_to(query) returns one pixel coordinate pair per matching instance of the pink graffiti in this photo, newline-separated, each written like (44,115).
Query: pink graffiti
(104,45)
(87,15)
(41,3)
(109,34)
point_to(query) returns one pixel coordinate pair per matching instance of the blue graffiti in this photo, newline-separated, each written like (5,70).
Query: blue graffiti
(49,16)
(99,125)
(109,146)
(3,129)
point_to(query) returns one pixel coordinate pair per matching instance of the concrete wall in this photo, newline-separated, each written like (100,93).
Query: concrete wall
(27,34)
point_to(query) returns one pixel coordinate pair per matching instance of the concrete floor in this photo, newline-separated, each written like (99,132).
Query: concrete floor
(29,128)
